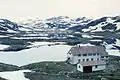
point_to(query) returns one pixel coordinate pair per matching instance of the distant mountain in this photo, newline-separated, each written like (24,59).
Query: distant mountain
(61,22)
(77,24)
(8,26)
(104,31)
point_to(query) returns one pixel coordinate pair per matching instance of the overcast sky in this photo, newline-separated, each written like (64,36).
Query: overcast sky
(18,10)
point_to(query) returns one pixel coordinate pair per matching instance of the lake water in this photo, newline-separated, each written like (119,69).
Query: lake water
(44,53)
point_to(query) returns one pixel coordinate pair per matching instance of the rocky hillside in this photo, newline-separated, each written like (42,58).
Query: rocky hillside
(8,67)
(104,31)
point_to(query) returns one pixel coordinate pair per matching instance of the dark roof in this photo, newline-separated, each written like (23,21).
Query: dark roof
(91,63)
(88,50)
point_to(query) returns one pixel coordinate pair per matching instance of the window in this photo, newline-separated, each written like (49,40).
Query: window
(79,54)
(102,56)
(89,54)
(106,56)
(94,54)
(96,66)
(83,60)
(91,59)
(97,58)
(87,59)
(68,58)
(98,54)
(84,54)
(78,60)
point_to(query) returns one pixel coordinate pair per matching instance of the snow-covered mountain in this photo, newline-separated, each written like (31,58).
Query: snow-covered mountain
(103,31)
(68,23)
(8,26)
(61,22)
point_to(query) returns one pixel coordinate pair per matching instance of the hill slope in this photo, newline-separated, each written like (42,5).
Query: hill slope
(104,31)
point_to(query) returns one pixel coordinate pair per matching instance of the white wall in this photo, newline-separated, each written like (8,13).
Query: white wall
(79,68)
(100,67)
(74,59)
(71,61)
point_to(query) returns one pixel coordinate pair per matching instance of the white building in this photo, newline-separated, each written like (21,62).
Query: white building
(88,58)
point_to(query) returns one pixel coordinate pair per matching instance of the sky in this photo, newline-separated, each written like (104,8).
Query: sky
(17,10)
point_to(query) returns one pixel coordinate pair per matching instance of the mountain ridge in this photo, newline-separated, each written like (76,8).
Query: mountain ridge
(72,31)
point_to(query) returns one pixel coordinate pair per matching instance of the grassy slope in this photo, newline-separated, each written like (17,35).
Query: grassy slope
(60,70)
(50,67)
(8,67)
(2,78)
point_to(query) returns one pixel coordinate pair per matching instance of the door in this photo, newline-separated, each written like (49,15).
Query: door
(87,69)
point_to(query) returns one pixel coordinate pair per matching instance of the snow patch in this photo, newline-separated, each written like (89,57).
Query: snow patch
(39,44)
(14,75)
(2,36)
(113,52)
(70,36)
(88,44)
(86,36)
(118,26)
(85,30)
(97,36)
(10,25)
(1,20)
(118,42)
(30,37)
(24,29)
(96,40)
(12,31)
(3,46)
(109,20)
